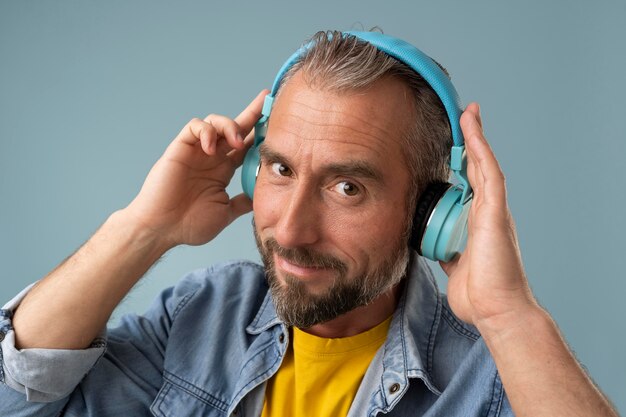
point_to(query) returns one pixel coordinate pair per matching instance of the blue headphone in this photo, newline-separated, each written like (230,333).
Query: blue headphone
(440,220)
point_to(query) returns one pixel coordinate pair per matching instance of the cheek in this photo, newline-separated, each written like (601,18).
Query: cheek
(267,204)
(371,233)
(261,206)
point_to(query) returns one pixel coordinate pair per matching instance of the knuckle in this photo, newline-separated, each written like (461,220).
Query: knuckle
(235,125)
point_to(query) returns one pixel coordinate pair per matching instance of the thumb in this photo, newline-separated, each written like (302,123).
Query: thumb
(450,266)
(240,205)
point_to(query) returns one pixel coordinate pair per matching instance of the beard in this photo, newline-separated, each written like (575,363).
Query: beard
(296,306)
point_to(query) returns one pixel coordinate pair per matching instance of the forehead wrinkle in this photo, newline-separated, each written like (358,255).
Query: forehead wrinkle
(361,120)
(371,119)
(366,145)
(374,138)
(335,124)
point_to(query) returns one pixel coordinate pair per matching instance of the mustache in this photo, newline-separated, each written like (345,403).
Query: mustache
(304,257)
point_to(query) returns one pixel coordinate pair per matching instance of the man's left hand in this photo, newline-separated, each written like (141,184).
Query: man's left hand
(487,283)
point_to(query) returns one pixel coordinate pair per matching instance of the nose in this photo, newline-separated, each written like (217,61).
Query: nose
(299,217)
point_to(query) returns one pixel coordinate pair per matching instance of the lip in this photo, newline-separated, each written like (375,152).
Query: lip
(293,269)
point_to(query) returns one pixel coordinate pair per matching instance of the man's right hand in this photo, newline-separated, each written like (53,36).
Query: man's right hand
(184,198)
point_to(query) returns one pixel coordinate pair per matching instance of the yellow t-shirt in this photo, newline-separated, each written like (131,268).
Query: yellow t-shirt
(319,376)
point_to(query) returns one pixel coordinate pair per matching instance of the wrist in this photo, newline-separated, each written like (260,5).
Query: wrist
(85,288)
(139,233)
(513,324)
(540,374)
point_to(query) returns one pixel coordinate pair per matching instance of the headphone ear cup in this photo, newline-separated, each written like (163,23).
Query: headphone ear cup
(252,160)
(425,205)
(250,170)
(445,228)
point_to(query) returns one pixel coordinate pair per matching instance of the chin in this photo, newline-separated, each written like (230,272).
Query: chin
(310,287)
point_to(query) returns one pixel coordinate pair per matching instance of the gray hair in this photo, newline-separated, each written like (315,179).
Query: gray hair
(343,63)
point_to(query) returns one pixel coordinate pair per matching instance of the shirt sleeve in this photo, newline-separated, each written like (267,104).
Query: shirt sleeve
(119,374)
(44,375)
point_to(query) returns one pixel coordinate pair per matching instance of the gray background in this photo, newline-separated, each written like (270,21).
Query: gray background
(91,93)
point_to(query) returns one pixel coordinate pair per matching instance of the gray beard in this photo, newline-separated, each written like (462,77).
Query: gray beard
(297,307)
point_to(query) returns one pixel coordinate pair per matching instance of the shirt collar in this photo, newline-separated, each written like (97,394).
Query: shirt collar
(265,318)
(413,328)
(408,350)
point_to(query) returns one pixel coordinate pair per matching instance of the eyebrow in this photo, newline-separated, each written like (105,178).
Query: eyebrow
(351,168)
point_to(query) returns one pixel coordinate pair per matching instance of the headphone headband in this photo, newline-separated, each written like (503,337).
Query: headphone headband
(405,53)
(421,64)
(442,210)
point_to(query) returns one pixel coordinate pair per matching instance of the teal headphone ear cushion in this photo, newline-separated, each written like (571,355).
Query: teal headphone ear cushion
(249,170)
(252,160)
(425,206)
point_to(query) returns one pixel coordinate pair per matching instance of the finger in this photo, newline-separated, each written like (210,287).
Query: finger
(252,113)
(238,155)
(225,128)
(450,266)
(493,190)
(473,174)
(240,204)
(196,130)
(475,108)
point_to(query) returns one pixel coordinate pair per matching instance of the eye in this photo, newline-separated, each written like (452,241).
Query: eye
(347,188)
(281,169)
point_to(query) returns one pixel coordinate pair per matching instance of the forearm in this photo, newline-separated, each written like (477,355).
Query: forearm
(68,308)
(540,374)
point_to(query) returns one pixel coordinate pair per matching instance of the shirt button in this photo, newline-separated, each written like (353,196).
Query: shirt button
(281,338)
(394,388)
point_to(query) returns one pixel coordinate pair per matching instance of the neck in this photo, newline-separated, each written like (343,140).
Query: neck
(361,318)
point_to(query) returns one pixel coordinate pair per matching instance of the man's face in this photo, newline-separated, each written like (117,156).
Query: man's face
(330,198)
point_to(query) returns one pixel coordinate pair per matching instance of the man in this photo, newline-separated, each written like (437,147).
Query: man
(344,318)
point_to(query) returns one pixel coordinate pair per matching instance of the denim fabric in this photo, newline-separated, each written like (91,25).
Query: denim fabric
(207,346)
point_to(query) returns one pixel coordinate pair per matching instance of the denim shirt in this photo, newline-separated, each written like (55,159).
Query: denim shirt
(207,347)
